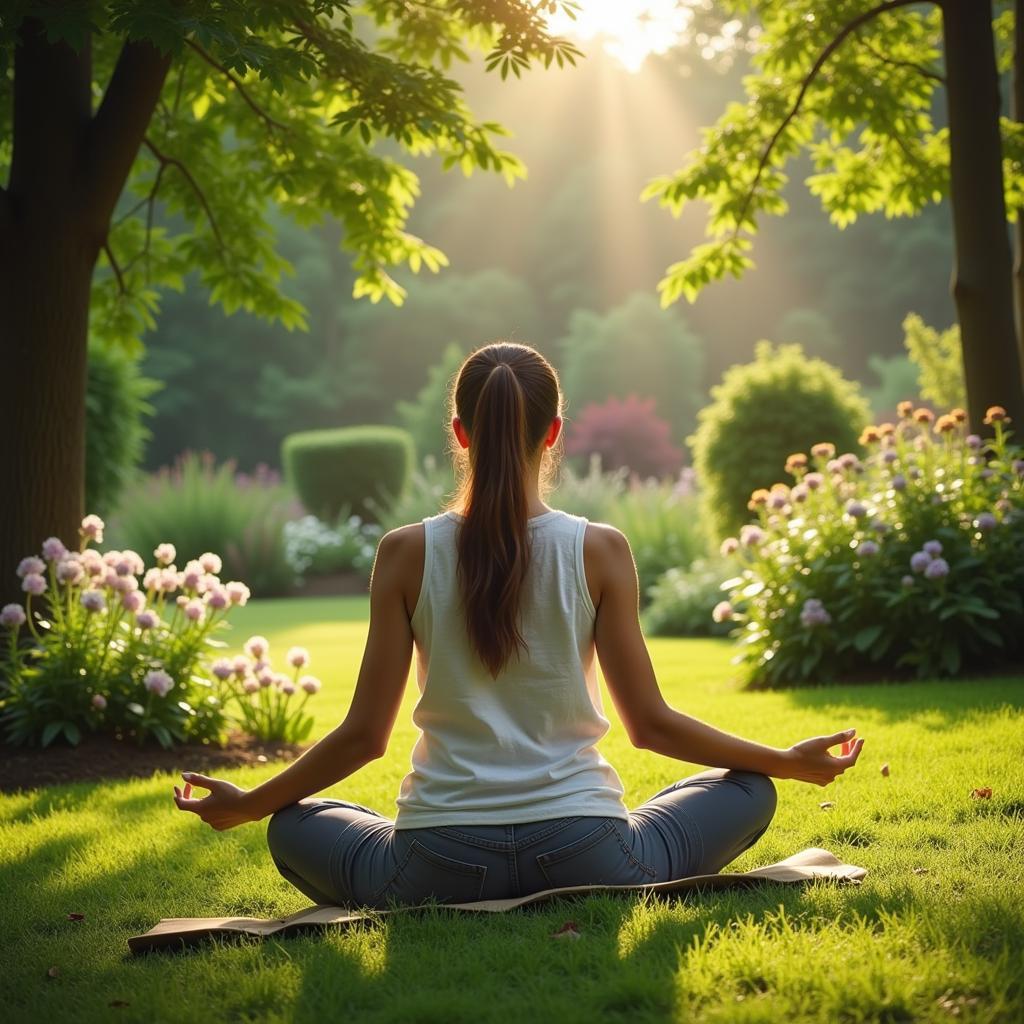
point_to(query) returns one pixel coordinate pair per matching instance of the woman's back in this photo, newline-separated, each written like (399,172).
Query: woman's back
(521,746)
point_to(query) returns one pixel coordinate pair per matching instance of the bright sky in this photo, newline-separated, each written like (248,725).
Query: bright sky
(629,30)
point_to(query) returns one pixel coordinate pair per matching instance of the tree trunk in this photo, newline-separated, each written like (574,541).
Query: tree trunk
(982,282)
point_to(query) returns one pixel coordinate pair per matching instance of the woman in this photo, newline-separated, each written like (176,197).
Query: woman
(506,602)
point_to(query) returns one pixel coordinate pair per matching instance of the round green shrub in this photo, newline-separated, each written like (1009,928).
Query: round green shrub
(363,469)
(115,429)
(762,412)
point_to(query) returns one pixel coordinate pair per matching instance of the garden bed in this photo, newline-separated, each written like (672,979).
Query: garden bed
(104,757)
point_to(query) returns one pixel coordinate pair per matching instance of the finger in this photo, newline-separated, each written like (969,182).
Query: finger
(188,805)
(195,778)
(188,789)
(838,737)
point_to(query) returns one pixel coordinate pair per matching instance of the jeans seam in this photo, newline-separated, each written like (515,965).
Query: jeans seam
(647,869)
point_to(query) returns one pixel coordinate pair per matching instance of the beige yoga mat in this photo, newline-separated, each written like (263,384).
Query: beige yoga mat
(185,931)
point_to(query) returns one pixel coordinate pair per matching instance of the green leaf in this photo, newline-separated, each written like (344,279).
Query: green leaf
(50,731)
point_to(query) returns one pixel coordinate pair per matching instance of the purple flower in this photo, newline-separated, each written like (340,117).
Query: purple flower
(914,473)
(158,681)
(194,610)
(222,668)
(848,461)
(99,702)
(266,678)
(987,474)
(134,600)
(868,548)
(53,549)
(70,571)
(933,547)
(986,521)
(973,441)
(729,546)
(880,526)
(217,597)
(192,575)
(92,529)
(751,536)
(936,569)
(920,560)
(899,482)
(813,481)
(297,657)
(814,614)
(1018,467)
(799,494)
(250,685)
(93,600)
(856,509)
(12,616)
(147,620)
(287,687)
(309,683)
(777,500)
(722,612)
(31,566)
(890,455)
(34,584)
(907,581)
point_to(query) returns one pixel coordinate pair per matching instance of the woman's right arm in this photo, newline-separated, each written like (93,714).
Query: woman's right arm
(650,722)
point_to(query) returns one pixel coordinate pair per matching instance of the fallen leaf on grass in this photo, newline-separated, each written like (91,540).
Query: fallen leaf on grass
(567,931)
(920,871)
(76,917)
(53,972)
(983,793)
(885,768)
(826,804)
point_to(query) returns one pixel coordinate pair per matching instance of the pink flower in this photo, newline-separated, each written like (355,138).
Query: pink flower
(867,548)
(210,562)
(147,620)
(266,678)
(158,681)
(729,546)
(92,529)
(154,578)
(70,571)
(250,685)
(287,687)
(256,646)
(218,598)
(222,668)
(31,566)
(280,679)
(93,600)
(237,592)
(297,657)
(933,547)
(986,521)
(165,554)
(936,569)
(12,616)
(111,558)
(92,562)
(169,581)
(134,600)
(240,664)
(751,536)
(814,614)
(99,702)
(126,584)
(53,549)
(111,579)
(130,562)
(34,584)
(722,612)
(195,610)
(920,560)
(813,481)
(310,684)
(192,575)
(800,493)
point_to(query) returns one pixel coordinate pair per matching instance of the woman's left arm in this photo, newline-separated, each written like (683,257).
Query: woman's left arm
(363,735)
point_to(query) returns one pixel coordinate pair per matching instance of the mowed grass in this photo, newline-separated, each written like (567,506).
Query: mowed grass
(939,945)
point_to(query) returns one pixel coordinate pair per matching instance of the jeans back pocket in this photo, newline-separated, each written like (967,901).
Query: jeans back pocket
(424,874)
(597,857)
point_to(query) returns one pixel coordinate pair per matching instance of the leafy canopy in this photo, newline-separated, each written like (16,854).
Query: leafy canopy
(850,83)
(305,105)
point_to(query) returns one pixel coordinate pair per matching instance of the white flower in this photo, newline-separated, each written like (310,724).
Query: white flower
(158,681)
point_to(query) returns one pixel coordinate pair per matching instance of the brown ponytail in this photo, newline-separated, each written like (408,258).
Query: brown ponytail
(506,396)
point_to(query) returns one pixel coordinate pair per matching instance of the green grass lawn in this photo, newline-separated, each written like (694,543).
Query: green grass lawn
(941,945)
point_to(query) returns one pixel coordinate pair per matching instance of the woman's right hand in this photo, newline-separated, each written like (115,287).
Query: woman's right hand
(810,761)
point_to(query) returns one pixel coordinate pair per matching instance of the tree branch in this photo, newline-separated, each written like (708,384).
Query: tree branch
(171,161)
(834,45)
(116,269)
(920,68)
(237,83)
(120,124)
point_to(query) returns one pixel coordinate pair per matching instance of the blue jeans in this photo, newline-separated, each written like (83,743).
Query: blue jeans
(342,853)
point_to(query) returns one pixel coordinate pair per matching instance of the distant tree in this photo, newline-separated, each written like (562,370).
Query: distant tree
(211,110)
(627,434)
(427,418)
(897,381)
(937,357)
(851,83)
(639,349)
(812,330)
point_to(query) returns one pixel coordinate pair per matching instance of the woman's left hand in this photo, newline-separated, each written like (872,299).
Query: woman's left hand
(224,808)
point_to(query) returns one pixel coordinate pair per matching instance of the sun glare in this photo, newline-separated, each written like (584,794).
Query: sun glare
(629,30)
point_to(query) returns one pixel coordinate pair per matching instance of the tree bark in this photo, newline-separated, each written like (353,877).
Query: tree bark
(982,281)
(67,170)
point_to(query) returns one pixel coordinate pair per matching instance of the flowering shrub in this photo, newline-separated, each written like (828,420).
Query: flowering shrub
(911,558)
(626,433)
(683,602)
(312,547)
(263,697)
(109,653)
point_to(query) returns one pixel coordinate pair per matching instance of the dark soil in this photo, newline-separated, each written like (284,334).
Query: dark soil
(103,757)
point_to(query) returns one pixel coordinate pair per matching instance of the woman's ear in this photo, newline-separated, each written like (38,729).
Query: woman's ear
(553,431)
(460,432)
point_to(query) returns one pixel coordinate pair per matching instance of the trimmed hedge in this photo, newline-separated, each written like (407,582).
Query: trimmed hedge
(762,412)
(363,469)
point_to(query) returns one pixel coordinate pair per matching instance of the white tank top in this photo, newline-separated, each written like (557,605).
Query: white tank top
(520,747)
